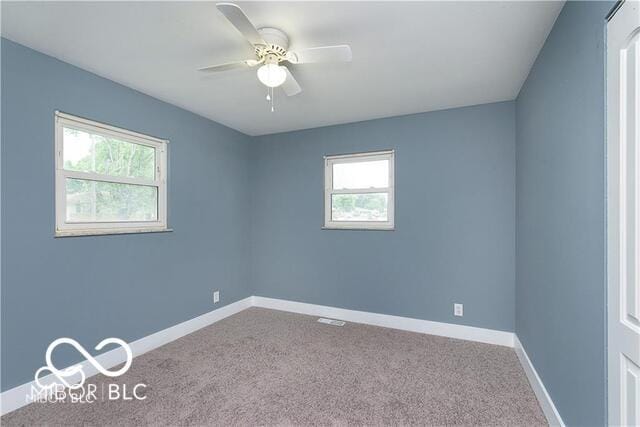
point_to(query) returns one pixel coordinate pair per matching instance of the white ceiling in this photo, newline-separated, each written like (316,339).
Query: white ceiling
(408,57)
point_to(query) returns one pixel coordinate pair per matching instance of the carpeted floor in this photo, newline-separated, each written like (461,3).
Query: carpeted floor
(264,367)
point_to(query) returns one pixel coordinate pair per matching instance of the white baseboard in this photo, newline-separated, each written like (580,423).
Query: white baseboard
(450,330)
(17,397)
(549,409)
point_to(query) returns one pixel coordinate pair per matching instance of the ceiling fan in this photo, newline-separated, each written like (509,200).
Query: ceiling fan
(271,48)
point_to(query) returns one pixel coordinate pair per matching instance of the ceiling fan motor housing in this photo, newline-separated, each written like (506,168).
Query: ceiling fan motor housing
(277,43)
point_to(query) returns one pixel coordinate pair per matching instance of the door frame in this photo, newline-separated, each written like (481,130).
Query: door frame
(616,234)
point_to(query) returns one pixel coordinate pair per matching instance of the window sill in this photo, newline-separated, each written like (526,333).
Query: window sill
(83,233)
(331,227)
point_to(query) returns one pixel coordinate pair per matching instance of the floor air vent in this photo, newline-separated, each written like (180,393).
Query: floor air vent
(331,322)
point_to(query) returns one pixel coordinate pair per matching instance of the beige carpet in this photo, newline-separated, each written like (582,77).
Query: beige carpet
(264,367)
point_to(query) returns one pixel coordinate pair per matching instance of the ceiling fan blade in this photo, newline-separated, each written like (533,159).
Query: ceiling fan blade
(341,53)
(229,66)
(290,85)
(238,19)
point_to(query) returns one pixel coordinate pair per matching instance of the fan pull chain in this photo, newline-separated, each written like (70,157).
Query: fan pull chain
(272,109)
(269,98)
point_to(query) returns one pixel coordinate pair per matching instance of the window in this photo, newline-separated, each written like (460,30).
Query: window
(108,180)
(358,191)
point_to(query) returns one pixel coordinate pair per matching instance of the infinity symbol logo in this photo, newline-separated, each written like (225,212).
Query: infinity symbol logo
(61,375)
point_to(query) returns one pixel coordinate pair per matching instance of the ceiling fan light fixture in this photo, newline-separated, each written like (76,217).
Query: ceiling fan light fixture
(272,75)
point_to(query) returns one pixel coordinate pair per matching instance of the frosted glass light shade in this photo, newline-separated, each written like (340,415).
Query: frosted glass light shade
(272,75)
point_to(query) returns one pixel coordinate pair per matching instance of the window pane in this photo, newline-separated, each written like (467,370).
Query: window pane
(89,152)
(96,201)
(359,207)
(354,175)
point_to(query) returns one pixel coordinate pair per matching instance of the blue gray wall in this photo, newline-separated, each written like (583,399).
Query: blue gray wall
(454,238)
(455,219)
(560,291)
(126,286)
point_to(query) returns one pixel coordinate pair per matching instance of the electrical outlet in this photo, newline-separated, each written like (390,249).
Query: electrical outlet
(458,309)
(216,296)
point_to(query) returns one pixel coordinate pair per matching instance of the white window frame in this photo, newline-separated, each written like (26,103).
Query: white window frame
(64,228)
(329,161)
